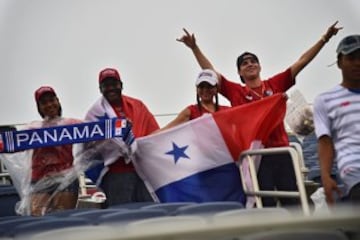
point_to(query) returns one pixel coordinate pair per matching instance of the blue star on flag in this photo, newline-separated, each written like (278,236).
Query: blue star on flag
(178,152)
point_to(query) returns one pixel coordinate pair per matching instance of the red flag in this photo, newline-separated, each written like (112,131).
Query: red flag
(242,125)
(184,163)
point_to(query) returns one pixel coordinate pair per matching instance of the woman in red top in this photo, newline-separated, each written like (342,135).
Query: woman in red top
(51,187)
(206,92)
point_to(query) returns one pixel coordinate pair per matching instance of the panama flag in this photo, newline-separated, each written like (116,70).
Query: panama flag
(196,161)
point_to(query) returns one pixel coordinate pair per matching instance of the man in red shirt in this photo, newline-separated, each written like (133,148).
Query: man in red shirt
(275,171)
(121,183)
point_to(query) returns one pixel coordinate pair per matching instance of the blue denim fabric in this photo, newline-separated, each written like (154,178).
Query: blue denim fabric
(124,188)
(311,158)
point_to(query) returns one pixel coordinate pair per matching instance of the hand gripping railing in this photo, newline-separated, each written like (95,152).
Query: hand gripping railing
(301,193)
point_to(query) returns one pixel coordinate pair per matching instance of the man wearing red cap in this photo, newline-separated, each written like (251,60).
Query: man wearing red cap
(121,183)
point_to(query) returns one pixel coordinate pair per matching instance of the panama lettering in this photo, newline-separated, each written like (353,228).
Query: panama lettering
(59,135)
(13,141)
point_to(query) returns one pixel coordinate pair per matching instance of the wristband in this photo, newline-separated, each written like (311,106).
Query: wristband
(323,39)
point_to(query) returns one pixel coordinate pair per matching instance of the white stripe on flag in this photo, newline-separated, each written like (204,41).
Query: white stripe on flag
(196,152)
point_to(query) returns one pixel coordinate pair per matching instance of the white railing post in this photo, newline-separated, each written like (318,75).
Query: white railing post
(301,193)
(303,167)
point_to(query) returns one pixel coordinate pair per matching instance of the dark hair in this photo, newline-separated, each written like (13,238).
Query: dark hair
(6,128)
(241,58)
(339,56)
(199,103)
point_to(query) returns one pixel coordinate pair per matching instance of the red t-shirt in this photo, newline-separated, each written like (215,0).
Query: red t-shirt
(47,161)
(238,95)
(195,111)
(143,123)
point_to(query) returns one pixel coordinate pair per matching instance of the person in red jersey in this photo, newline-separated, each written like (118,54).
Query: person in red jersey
(206,97)
(275,171)
(121,183)
(50,164)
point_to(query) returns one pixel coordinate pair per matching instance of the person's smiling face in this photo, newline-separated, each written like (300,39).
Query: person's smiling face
(111,89)
(49,105)
(249,68)
(206,91)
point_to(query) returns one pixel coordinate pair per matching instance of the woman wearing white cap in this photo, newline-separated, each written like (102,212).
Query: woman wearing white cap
(206,92)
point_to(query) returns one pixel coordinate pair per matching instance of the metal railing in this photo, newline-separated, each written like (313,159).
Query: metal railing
(303,167)
(4,178)
(4,174)
(297,161)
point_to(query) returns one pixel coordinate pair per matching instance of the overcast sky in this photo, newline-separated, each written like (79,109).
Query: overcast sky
(65,43)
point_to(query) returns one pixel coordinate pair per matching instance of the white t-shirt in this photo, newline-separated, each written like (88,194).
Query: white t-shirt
(337,115)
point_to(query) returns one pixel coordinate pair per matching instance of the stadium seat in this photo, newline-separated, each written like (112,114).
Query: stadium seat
(27,228)
(8,225)
(248,216)
(249,212)
(297,234)
(8,198)
(6,218)
(207,208)
(129,216)
(68,212)
(93,215)
(168,224)
(170,207)
(132,205)
(79,232)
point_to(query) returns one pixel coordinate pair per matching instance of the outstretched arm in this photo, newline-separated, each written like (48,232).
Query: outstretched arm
(182,117)
(190,41)
(314,50)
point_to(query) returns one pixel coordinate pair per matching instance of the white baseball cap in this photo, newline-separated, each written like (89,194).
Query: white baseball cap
(207,75)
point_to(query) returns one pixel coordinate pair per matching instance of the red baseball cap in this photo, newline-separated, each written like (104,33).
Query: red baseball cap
(42,90)
(109,73)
